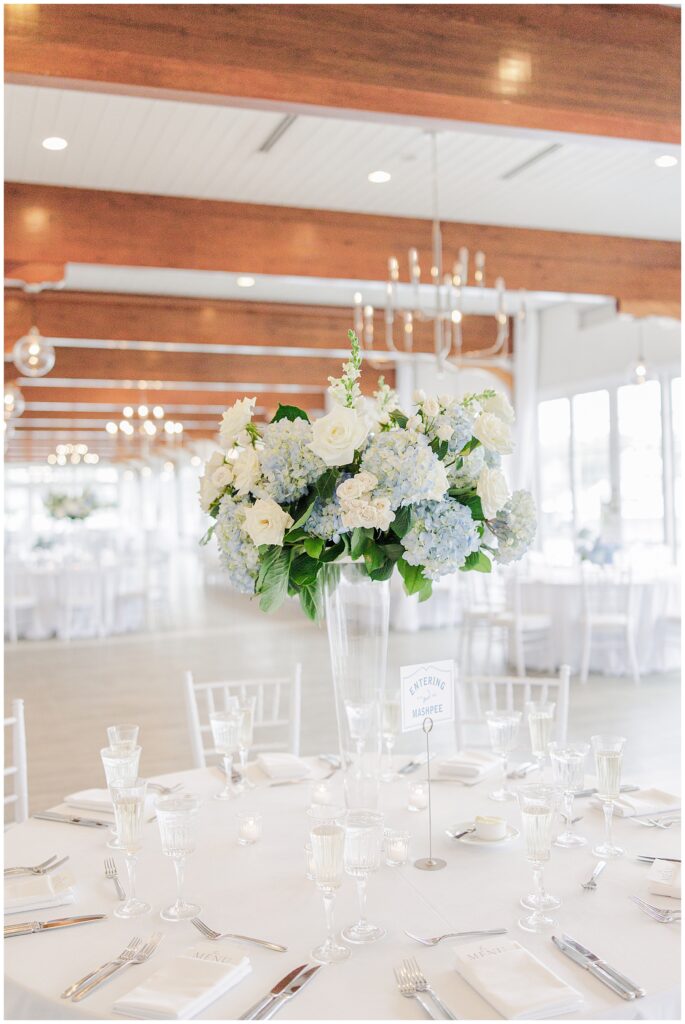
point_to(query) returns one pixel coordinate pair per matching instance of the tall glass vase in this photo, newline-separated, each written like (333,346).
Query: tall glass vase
(357,614)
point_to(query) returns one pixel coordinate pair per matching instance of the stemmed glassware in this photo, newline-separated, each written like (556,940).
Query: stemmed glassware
(540,724)
(503,727)
(177,819)
(121,768)
(129,808)
(363,848)
(608,752)
(392,719)
(226,726)
(123,738)
(568,774)
(247,705)
(327,846)
(538,807)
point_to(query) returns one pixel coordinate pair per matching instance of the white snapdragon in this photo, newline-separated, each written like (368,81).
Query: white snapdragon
(499,405)
(235,420)
(338,435)
(246,472)
(266,522)
(492,490)
(493,433)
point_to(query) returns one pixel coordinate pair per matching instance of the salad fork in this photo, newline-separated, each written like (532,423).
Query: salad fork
(592,880)
(660,914)
(657,823)
(408,990)
(164,790)
(112,874)
(418,979)
(39,869)
(209,933)
(141,957)
(129,950)
(455,935)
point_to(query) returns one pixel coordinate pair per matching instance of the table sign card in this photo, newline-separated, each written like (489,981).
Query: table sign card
(426,691)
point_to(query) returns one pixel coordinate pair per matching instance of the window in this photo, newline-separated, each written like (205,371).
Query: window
(591,460)
(641,463)
(555,490)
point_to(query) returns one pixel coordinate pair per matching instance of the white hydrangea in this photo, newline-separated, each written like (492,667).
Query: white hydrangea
(514,526)
(405,467)
(289,466)
(239,556)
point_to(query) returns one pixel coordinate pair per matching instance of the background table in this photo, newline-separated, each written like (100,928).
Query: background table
(261,890)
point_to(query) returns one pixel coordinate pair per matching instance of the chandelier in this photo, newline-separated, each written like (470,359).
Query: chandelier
(144,421)
(441,302)
(32,355)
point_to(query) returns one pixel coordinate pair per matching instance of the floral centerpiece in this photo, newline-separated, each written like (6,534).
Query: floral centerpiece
(70,506)
(418,491)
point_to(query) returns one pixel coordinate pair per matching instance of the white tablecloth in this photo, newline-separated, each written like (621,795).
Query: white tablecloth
(262,890)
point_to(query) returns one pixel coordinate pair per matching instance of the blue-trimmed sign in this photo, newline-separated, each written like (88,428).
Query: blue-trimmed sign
(427,691)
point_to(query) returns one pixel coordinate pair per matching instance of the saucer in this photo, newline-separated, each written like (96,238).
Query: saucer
(473,840)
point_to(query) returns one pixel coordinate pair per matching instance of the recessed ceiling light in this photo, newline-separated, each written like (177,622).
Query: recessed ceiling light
(666,161)
(244,281)
(55,142)
(379,177)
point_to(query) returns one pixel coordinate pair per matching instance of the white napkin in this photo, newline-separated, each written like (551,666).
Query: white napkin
(663,879)
(642,802)
(186,985)
(38,892)
(90,800)
(515,982)
(469,764)
(283,766)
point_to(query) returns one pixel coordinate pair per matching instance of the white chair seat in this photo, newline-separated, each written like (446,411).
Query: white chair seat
(607,619)
(529,622)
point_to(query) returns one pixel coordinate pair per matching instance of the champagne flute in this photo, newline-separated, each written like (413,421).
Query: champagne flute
(247,705)
(123,738)
(392,719)
(327,846)
(608,751)
(177,820)
(226,726)
(362,856)
(538,806)
(121,767)
(503,727)
(540,724)
(129,808)
(568,773)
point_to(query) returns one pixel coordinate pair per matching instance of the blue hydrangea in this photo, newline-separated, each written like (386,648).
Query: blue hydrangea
(466,475)
(239,556)
(289,466)
(441,535)
(325,521)
(515,526)
(405,467)
(493,460)
(462,426)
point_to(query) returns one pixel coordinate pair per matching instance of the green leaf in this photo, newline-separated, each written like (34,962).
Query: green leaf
(402,521)
(330,554)
(303,570)
(214,507)
(399,418)
(414,579)
(473,503)
(324,487)
(208,536)
(311,602)
(477,561)
(313,546)
(289,412)
(439,447)
(392,551)
(374,557)
(469,446)
(384,572)
(426,591)
(360,535)
(274,585)
(294,535)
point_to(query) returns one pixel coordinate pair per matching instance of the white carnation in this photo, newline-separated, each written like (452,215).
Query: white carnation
(266,522)
(492,490)
(235,419)
(338,435)
(493,433)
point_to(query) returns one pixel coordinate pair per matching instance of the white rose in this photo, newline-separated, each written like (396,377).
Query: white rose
(384,514)
(222,477)
(209,491)
(356,486)
(337,436)
(266,522)
(246,472)
(236,419)
(369,514)
(431,407)
(418,396)
(416,423)
(500,406)
(446,401)
(444,432)
(492,490)
(493,433)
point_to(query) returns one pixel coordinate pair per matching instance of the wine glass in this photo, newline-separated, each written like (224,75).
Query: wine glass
(129,808)
(327,846)
(392,719)
(540,723)
(121,767)
(538,806)
(608,752)
(177,820)
(247,705)
(123,738)
(226,726)
(503,727)
(568,774)
(363,849)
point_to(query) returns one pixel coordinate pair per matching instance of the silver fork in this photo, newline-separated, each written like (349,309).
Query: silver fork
(31,870)
(455,935)
(140,957)
(164,790)
(656,823)
(592,880)
(418,979)
(112,874)
(130,949)
(661,914)
(209,933)
(408,990)
(40,869)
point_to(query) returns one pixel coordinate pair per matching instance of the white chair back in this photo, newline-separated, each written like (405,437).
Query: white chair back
(485,592)
(477,694)
(277,711)
(18,769)
(607,591)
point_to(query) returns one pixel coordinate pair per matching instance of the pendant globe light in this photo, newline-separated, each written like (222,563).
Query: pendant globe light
(33,356)
(14,403)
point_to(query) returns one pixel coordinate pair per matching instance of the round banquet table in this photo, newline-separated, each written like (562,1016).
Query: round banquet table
(262,890)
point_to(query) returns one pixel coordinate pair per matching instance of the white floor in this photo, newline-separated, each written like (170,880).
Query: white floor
(74,690)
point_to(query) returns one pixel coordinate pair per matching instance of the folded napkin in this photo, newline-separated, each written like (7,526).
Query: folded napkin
(643,802)
(469,764)
(38,892)
(283,766)
(90,800)
(515,982)
(186,985)
(663,879)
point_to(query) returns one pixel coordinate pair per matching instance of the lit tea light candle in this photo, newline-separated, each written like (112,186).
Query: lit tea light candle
(396,848)
(322,793)
(418,796)
(249,828)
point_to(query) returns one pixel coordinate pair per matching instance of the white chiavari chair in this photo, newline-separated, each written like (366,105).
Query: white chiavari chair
(79,592)
(20,600)
(609,616)
(277,711)
(17,770)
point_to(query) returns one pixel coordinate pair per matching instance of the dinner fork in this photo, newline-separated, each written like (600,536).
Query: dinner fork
(592,880)
(141,957)
(658,913)
(418,980)
(112,873)
(128,950)
(455,935)
(39,869)
(209,933)
(164,790)
(408,990)
(656,823)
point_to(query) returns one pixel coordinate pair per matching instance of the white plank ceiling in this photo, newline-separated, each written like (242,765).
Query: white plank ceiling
(163,147)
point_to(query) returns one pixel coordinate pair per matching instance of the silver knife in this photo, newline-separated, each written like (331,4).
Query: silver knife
(591,792)
(607,975)
(29,927)
(647,859)
(72,819)
(295,986)
(273,994)
(598,962)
